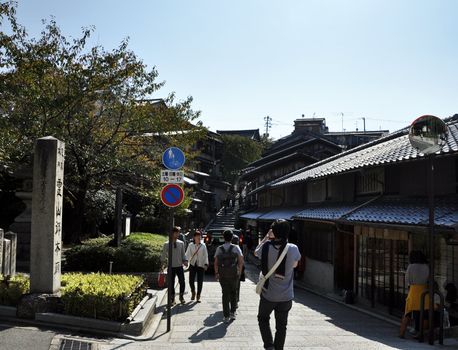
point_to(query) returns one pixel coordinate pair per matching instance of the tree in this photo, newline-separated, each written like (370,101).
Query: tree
(238,152)
(97,101)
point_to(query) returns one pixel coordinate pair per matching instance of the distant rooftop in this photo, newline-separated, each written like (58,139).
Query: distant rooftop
(252,134)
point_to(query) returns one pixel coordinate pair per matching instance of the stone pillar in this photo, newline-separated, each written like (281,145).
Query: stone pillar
(46,237)
(6,257)
(13,251)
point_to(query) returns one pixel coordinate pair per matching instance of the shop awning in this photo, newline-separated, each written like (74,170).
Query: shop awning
(327,211)
(200,173)
(280,213)
(253,215)
(189,181)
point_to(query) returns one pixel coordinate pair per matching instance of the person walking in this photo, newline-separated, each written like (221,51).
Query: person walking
(416,277)
(236,240)
(178,261)
(277,293)
(197,256)
(228,267)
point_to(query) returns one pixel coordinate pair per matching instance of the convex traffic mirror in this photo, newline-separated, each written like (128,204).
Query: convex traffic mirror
(428,134)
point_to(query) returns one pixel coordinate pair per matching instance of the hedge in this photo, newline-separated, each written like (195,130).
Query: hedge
(95,295)
(12,289)
(140,252)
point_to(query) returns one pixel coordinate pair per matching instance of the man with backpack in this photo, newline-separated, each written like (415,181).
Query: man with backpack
(228,267)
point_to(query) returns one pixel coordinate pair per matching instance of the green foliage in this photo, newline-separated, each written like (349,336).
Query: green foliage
(98,102)
(140,252)
(12,289)
(109,297)
(238,152)
(95,295)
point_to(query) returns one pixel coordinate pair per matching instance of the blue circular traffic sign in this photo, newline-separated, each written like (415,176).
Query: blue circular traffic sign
(172,195)
(173,158)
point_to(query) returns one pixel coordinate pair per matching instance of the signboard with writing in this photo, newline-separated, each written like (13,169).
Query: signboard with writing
(46,236)
(172,176)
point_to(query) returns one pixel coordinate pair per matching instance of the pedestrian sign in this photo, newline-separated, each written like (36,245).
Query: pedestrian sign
(173,158)
(172,195)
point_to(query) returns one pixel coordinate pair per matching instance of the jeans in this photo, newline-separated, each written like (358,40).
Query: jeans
(281,319)
(193,271)
(229,296)
(178,271)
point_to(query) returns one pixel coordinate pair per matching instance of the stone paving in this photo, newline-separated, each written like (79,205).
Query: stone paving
(314,323)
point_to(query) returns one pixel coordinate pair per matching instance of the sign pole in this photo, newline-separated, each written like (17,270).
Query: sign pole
(169,276)
(172,195)
(431,247)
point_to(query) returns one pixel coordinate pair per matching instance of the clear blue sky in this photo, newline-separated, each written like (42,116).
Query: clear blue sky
(386,60)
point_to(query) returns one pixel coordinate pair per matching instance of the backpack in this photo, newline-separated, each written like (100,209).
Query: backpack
(227,264)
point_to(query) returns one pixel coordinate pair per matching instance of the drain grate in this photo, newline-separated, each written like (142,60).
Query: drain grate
(71,344)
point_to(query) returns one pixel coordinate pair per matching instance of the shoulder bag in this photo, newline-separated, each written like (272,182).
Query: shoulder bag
(263,279)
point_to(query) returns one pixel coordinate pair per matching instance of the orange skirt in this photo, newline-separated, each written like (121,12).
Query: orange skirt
(414,298)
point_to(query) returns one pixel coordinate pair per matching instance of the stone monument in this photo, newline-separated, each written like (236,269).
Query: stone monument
(46,236)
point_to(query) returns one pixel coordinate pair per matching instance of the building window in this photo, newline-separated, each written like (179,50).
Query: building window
(319,245)
(381,271)
(370,181)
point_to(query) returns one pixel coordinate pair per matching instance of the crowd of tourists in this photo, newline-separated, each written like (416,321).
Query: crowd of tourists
(278,260)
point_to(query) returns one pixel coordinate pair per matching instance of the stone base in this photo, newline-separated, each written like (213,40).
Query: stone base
(32,304)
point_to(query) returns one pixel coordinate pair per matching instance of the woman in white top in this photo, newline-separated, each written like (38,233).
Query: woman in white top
(198,263)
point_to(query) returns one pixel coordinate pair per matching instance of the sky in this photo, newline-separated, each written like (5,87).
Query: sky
(388,61)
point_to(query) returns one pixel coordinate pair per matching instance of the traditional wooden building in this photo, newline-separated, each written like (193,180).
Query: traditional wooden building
(357,215)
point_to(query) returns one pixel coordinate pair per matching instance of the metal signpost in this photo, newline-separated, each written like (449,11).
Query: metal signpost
(172,195)
(428,134)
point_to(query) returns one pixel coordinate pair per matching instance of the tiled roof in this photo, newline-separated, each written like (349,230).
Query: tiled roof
(251,133)
(385,210)
(393,148)
(326,211)
(254,170)
(412,211)
(253,215)
(287,150)
(280,213)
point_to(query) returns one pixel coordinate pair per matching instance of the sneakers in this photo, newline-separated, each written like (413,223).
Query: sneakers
(182,299)
(172,301)
(193,295)
(226,320)
(232,316)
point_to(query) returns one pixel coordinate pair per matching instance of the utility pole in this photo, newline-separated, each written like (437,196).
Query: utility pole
(342,115)
(364,122)
(268,124)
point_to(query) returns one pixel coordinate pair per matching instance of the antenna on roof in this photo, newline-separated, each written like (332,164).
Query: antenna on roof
(313,116)
(341,113)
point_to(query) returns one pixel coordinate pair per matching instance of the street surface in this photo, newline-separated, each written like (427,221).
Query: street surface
(314,323)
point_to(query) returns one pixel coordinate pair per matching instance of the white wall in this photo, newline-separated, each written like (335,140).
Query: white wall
(319,275)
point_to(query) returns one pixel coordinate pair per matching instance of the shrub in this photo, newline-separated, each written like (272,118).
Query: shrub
(109,297)
(95,295)
(140,252)
(12,289)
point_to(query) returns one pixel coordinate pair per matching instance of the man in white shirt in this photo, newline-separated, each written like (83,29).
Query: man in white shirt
(278,291)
